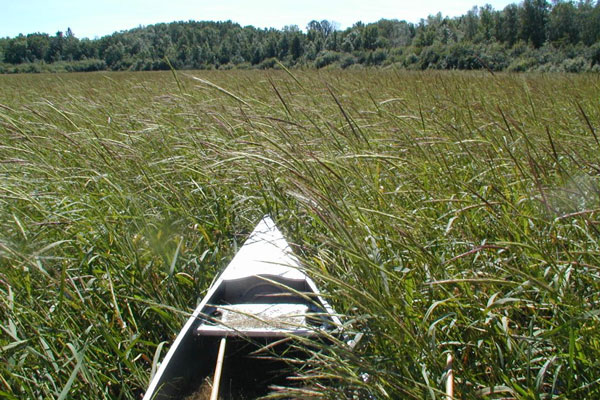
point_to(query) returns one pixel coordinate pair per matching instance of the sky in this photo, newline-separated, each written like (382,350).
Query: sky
(103,17)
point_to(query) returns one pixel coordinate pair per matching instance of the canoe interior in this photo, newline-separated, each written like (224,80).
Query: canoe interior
(246,373)
(262,289)
(251,367)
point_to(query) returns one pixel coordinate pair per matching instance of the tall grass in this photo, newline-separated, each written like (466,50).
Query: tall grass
(440,212)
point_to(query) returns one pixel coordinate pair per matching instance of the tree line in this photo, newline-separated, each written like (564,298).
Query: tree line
(532,35)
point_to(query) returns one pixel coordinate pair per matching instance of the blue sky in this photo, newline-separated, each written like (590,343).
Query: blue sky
(103,17)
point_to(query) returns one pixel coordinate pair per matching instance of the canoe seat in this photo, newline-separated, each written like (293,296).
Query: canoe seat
(256,320)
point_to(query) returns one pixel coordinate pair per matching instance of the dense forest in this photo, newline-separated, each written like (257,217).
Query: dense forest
(534,35)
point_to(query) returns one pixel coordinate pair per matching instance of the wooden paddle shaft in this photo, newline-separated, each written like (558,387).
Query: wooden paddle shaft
(218,369)
(449,378)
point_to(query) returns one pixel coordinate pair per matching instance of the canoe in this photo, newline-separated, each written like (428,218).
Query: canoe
(261,301)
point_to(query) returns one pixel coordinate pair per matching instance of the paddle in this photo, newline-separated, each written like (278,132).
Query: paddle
(449,378)
(218,369)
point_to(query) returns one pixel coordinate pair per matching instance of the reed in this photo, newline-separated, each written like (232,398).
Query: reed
(442,213)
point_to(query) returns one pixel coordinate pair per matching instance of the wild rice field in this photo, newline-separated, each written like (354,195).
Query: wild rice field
(440,213)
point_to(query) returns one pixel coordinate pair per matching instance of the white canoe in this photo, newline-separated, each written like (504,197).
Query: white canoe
(262,296)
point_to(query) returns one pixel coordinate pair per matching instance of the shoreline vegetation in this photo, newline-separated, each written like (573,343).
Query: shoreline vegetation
(534,35)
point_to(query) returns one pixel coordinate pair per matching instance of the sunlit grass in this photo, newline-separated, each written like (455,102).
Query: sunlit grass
(441,212)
